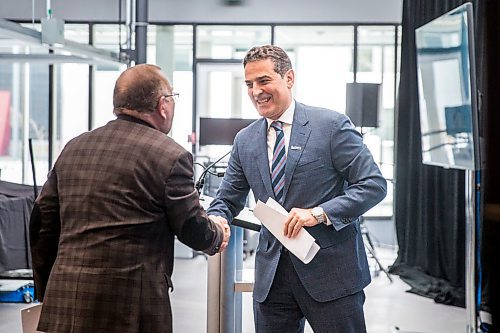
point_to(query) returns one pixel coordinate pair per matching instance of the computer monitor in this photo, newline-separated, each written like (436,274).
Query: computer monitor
(220,131)
(447,90)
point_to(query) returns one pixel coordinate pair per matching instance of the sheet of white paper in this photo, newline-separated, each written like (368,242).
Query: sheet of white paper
(272,215)
(276,206)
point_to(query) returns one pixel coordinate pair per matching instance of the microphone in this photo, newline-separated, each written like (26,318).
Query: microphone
(201,180)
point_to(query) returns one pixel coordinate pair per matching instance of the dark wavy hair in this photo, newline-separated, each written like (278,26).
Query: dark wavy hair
(278,56)
(138,88)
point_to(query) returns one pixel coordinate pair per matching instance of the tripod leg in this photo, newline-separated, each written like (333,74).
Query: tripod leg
(368,238)
(370,249)
(369,246)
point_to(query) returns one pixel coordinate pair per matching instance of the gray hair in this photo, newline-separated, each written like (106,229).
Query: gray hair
(282,63)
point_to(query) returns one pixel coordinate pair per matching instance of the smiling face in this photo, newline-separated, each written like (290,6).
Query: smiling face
(271,94)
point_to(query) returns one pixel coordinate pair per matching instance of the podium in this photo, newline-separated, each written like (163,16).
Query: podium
(225,277)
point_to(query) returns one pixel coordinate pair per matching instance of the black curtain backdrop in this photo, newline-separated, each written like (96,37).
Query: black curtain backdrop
(429,200)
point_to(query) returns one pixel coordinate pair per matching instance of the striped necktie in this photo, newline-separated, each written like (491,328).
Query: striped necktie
(279,161)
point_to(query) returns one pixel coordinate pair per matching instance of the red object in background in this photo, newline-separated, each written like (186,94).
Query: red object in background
(4,122)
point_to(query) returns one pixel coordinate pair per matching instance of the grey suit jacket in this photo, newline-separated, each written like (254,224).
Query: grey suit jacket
(102,233)
(327,165)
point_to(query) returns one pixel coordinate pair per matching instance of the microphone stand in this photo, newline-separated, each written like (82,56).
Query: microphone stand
(199,185)
(201,180)
(35,187)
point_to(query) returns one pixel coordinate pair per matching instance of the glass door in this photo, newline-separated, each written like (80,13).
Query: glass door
(222,106)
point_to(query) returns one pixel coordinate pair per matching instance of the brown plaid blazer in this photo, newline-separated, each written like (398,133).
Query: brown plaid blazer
(102,230)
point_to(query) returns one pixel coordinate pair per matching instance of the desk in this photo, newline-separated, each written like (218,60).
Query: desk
(16,203)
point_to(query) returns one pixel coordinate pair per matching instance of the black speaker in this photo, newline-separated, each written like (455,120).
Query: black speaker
(362,103)
(233,2)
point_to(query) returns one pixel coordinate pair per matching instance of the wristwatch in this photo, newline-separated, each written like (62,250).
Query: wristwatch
(319,214)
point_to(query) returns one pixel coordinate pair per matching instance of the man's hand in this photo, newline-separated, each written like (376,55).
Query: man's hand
(222,222)
(298,218)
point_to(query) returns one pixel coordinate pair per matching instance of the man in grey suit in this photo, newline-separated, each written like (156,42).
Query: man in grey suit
(102,230)
(313,162)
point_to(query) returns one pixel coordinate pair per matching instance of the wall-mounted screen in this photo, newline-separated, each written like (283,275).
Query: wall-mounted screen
(221,131)
(447,90)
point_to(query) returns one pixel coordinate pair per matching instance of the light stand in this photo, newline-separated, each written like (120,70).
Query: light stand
(470,250)
(367,241)
(362,107)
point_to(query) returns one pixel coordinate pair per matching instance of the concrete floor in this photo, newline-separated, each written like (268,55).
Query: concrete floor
(388,306)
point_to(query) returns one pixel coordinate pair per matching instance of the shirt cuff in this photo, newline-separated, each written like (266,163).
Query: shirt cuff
(217,240)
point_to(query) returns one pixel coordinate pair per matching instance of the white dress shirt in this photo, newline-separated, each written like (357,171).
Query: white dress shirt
(287,119)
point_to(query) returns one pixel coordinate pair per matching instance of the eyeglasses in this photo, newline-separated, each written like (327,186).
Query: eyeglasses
(175,96)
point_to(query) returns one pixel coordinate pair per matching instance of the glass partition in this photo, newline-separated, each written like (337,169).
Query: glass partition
(376,64)
(322,57)
(72,93)
(24,91)
(77,32)
(171,48)
(106,36)
(72,104)
(221,95)
(229,42)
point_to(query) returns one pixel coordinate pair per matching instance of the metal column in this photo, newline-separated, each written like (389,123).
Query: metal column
(224,303)
(141,31)
(470,250)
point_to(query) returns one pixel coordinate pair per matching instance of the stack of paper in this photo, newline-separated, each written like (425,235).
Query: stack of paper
(273,216)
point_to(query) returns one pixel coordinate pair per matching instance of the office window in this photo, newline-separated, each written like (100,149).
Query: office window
(71,104)
(23,114)
(229,42)
(376,64)
(77,32)
(171,48)
(106,36)
(322,58)
(72,93)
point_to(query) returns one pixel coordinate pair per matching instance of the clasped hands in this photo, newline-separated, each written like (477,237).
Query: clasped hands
(296,219)
(222,222)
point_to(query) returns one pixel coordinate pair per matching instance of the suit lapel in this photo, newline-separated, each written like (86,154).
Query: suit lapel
(298,139)
(260,156)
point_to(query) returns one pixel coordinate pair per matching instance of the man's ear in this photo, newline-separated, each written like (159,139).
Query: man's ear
(290,78)
(162,111)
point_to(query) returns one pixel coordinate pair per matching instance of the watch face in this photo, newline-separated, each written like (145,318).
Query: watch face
(317,211)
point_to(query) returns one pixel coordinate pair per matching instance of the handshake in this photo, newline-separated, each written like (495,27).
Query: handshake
(222,224)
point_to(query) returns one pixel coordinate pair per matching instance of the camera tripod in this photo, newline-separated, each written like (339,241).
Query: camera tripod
(370,248)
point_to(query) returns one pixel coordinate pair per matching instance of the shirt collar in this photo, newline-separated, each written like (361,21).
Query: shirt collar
(133,119)
(286,117)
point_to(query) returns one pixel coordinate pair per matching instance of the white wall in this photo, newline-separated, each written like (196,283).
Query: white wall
(215,11)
